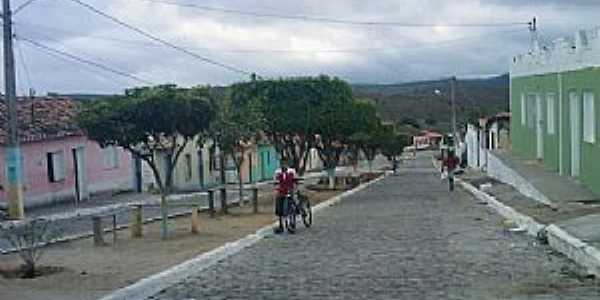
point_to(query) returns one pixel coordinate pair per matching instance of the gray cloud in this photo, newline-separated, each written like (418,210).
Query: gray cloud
(278,47)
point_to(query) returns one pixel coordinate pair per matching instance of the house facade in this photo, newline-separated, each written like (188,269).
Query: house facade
(555,104)
(488,134)
(427,140)
(264,163)
(59,162)
(198,168)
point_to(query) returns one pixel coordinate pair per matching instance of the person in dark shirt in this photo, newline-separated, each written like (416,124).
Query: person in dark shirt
(450,164)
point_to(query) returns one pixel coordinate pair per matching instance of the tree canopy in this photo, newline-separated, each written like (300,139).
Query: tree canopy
(148,119)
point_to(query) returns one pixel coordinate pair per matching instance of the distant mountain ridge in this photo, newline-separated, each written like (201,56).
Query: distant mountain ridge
(417,102)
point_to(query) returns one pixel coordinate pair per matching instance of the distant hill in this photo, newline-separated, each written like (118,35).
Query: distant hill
(417,103)
(83,97)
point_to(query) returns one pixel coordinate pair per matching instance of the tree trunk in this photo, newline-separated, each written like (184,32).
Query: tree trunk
(29,269)
(164,212)
(370,166)
(331,175)
(222,166)
(241,187)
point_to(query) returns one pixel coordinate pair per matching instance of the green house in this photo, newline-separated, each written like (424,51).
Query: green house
(555,104)
(267,163)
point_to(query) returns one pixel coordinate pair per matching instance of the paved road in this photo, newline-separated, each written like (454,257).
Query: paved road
(405,237)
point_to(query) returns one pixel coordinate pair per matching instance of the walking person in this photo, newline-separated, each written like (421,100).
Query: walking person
(285,179)
(450,164)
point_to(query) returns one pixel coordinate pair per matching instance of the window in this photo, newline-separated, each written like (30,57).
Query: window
(56,166)
(188,167)
(531,111)
(550,118)
(111,157)
(589,118)
(523,110)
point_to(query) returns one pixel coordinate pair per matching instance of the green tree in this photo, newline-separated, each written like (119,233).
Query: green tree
(334,122)
(394,145)
(151,121)
(290,107)
(239,123)
(366,132)
(377,137)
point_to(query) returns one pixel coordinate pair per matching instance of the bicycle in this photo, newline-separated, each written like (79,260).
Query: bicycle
(298,206)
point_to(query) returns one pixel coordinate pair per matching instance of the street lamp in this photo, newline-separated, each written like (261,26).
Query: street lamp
(438,92)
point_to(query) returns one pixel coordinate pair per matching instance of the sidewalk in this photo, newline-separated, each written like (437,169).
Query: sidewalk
(530,174)
(569,222)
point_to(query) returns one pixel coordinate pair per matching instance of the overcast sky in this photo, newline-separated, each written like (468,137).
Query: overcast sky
(274,47)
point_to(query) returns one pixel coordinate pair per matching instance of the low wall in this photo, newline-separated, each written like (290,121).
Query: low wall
(68,194)
(498,170)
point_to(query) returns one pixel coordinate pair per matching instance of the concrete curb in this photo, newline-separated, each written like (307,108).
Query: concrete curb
(524,221)
(580,252)
(575,249)
(149,286)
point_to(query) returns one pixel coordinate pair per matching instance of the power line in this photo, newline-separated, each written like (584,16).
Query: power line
(25,68)
(161,41)
(85,67)
(83,60)
(307,18)
(22,6)
(250,51)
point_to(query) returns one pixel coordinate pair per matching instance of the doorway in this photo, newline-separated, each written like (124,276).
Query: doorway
(539,127)
(575,120)
(81,188)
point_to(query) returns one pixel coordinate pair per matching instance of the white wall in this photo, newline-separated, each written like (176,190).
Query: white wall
(472,141)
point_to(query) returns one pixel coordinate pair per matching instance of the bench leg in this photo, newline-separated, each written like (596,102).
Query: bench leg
(114,228)
(98,231)
(223,200)
(136,225)
(195,220)
(255,200)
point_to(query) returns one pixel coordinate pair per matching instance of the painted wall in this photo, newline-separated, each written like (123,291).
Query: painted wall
(562,85)
(191,174)
(260,164)
(38,189)
(267,162)
(314,161)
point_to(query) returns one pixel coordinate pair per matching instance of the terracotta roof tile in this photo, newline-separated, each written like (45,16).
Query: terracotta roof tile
(42,118)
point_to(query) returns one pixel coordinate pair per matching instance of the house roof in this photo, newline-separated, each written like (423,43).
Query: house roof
(42,118)
(486,122)
(430,134)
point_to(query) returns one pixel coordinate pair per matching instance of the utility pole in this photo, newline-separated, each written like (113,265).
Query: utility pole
(12,152)
(534,43)
(453,104)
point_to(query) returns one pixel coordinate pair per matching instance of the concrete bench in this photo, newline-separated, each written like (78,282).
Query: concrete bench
(223,198)
(137,215)
(98,229)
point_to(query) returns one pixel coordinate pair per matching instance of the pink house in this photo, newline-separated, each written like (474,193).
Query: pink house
(59,162)
(427,139)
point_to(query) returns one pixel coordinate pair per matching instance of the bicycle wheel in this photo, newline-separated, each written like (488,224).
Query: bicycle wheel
(290,218)
(306,212)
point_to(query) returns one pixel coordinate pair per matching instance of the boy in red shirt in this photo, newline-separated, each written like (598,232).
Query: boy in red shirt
(285,179)
(450,163)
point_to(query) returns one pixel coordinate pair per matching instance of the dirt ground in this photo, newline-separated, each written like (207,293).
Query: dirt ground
(90,272)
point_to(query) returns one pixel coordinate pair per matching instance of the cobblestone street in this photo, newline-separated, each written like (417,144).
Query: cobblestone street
(404,237)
